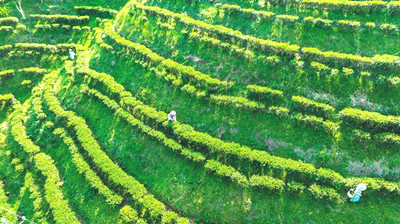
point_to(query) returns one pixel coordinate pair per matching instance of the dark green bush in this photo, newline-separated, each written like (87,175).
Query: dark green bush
(6,74)
(5,49)
(62,19)
(43,48)
(32,71)
(9,21)
(169,65)
(265,94)
(323,193)
(308,106)
(371,121)
(6,29)
(44,163)
(154,210)
(236,102)
(96,11)
(267,182)
(296,170)
(389,140)
(358,7)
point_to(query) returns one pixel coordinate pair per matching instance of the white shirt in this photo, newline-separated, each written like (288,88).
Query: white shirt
(171,117)
(72,55)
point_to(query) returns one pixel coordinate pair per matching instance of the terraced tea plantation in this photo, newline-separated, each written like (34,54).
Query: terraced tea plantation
(282,108)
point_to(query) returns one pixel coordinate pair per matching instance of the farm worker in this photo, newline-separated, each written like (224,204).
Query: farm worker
(172,116)
(355,195)
(71,54)
(23,219)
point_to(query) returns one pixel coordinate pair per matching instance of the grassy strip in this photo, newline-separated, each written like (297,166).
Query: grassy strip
(244,53)
(154,209)
(38,199)
(212,165)
(358,7)
(282,49)
(265,182)
(237,102)
(185,130)
(296,170)
(4,204)
(169,65)
(60,209)
(15,169)
(84,168)
(308,21)
(297,103)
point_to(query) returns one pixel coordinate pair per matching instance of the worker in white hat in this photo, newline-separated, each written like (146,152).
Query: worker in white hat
(172,116)
(355,195)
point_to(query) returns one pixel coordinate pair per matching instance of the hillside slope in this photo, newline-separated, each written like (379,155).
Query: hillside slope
(282,107)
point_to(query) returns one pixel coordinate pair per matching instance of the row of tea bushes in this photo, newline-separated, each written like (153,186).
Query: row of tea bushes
(96,11)
(52,187)
(154,209)
(308,21)
(281,49)
(61,19)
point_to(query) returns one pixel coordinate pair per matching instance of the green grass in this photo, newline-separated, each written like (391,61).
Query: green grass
(291,79)
(362,42)
(183,186)
(328,152)
(14,174)
(87,203)
(287,9)
(53,7)
(13,84)
(232,125)
(191,189)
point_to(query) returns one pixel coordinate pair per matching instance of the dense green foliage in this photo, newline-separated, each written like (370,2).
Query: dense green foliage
(282,107)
